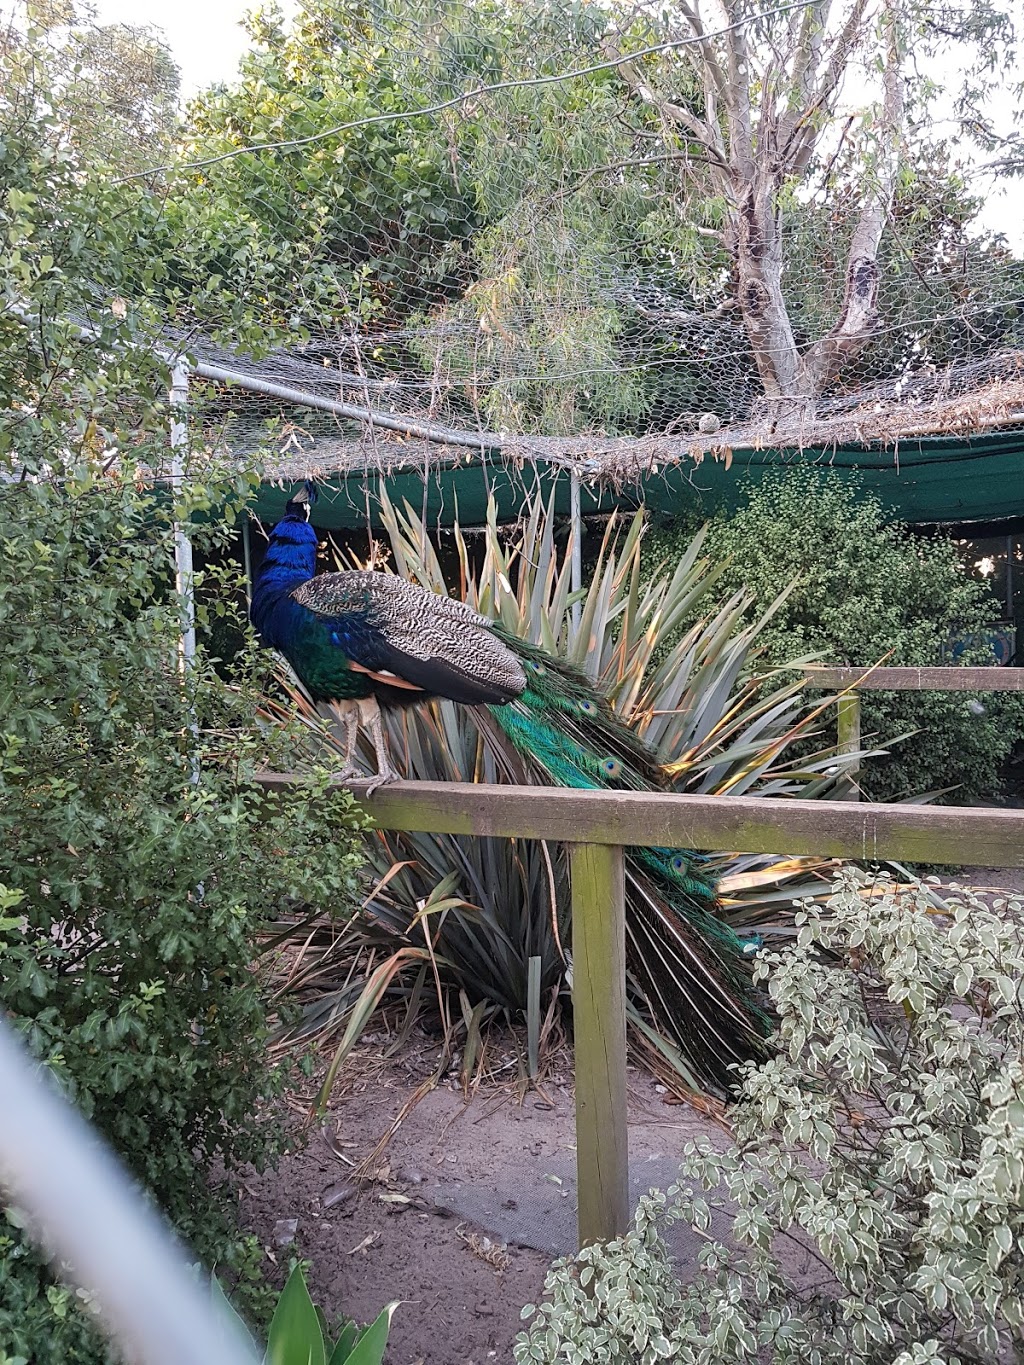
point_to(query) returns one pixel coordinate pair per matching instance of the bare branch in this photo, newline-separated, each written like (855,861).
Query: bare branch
(808,49)
(706,137)
(803,135)
(628,164)
(839,56)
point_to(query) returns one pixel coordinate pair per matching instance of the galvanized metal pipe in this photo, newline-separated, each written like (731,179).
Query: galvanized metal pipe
(184,572)
(576,527)
(86,1215)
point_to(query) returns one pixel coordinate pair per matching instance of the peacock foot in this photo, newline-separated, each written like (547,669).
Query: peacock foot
(365,784)
(381,779)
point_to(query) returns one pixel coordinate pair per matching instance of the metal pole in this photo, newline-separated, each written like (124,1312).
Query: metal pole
(1009,578)
(87,1215)
(576,531)
(247,556)
(183,569)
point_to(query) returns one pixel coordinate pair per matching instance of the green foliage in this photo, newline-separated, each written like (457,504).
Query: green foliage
(359,220)
(116,85)
(137,856)
(883,1143)
(298,1333)
(133,894)
(867,588)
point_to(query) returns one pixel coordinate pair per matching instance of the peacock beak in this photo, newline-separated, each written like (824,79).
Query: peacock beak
(303,498)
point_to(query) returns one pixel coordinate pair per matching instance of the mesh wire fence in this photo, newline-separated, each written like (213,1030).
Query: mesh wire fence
(523,225)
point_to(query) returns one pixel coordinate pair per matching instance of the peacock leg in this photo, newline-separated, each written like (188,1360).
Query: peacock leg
(348,713)
(370,717)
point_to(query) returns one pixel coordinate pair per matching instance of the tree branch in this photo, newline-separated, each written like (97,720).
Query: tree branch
(859,314)
(627,164)
(706,137)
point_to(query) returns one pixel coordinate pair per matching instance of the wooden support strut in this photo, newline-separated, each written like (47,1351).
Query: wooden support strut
(848,726)
(599,1037)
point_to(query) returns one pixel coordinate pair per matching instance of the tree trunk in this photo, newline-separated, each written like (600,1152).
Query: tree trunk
(859,315)
(754,144)
(759,262)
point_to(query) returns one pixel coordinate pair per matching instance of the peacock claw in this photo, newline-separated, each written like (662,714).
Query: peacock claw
(367,785)
(349,775)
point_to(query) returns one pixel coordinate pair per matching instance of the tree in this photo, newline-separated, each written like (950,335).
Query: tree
(756,116)
(115,85)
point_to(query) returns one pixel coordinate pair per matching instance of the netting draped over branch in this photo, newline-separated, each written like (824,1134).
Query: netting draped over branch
(597,234)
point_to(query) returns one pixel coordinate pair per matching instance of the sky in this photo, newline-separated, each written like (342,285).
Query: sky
(205,36)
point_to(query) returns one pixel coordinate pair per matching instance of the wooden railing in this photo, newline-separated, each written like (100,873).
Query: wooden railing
(853,681)
(597,826)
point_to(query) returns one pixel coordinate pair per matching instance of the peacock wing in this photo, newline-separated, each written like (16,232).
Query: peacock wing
(397,630)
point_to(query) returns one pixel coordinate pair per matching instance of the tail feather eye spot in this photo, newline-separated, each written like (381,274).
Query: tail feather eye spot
(539,669)
(611,767)
(588,708)
(679,863)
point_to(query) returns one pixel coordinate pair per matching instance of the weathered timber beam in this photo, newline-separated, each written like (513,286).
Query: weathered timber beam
(967,835)
(599,1033)
(991,679)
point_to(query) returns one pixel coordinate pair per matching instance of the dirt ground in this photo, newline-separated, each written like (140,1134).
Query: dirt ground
(463,1210)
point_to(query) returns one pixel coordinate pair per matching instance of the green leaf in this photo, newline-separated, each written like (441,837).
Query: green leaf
(343,1348)
(372,1343)
(295,1336)
(232,1319)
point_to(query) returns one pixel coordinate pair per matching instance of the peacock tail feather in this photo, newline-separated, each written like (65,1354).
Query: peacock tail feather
(689,964)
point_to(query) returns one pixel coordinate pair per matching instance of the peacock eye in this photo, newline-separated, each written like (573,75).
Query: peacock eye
(611,767)
(537,668)
(588,707)
(679,862)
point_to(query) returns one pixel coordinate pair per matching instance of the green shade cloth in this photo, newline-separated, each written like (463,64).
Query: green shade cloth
(935,479)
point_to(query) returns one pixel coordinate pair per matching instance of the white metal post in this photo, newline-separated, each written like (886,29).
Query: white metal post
(576,528)
(94,1224)
(183,569)
(247,555)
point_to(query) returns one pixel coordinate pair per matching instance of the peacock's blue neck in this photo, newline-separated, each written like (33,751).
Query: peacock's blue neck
(290,560)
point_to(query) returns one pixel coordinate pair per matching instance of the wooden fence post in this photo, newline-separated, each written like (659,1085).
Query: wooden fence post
(599,1029)
(848,727)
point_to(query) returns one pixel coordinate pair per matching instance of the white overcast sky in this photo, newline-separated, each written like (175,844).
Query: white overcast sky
(205,36)
(207,40)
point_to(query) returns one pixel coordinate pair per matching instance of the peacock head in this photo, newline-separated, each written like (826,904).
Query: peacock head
(300,504)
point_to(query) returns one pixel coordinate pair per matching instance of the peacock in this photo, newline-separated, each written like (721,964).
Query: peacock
(360,640)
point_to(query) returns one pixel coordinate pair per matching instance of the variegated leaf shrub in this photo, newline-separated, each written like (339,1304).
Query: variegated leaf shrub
(884,1143)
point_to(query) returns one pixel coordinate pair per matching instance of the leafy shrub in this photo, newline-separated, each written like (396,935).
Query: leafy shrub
(865,588)
(886,1139)
(137,862)
(133,893)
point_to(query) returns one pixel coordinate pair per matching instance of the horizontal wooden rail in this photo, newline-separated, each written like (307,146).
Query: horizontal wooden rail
(955,835)
(991,679)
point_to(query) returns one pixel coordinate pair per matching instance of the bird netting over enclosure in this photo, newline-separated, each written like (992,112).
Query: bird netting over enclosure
(598,235)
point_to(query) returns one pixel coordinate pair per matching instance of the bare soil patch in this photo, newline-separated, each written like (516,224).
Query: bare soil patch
(460,1215)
